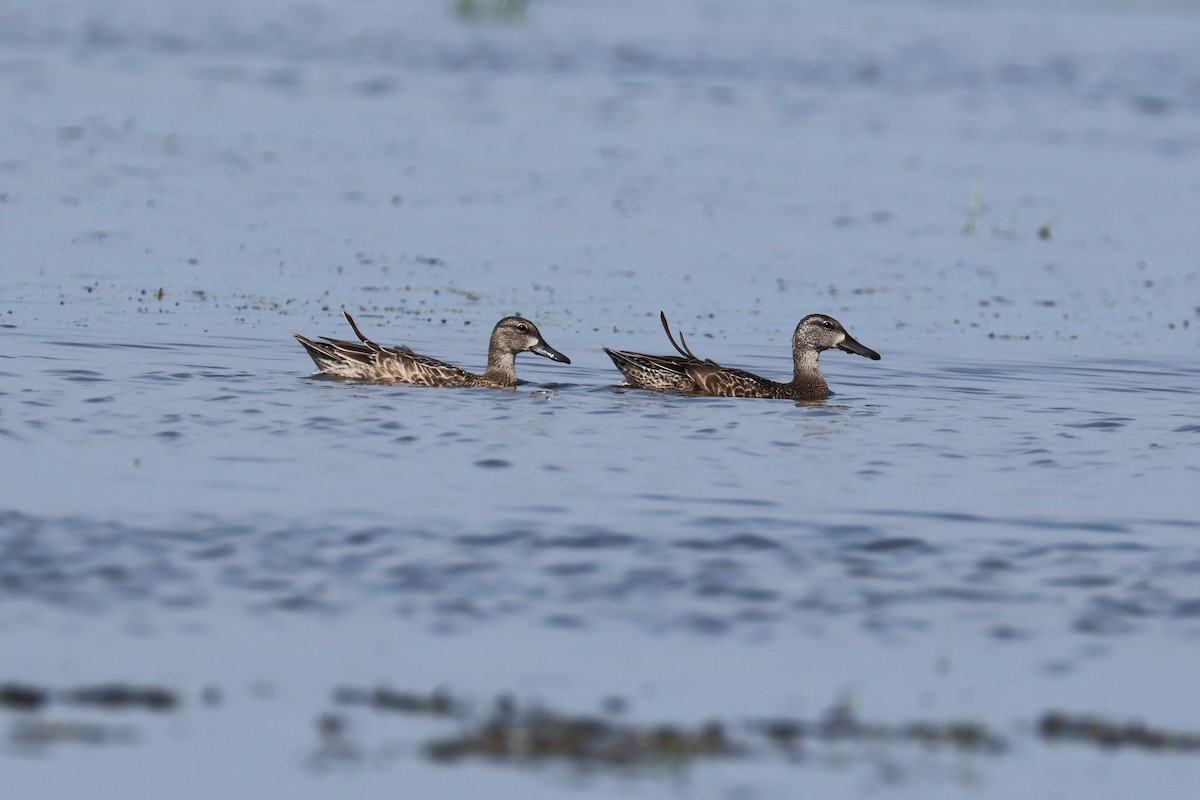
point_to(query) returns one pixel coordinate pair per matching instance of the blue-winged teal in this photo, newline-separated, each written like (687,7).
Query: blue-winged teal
(370,362)
(687,373)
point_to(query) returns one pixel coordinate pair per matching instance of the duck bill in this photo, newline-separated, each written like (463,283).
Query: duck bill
(851,345)
(543,349)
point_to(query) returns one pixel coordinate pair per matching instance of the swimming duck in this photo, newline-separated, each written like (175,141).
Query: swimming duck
(688,373)
(370,362)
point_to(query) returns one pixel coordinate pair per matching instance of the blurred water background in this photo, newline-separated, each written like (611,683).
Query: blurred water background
(996,521)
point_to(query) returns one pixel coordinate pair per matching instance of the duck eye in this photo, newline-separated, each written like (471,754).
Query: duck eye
(828,325)
(523,328)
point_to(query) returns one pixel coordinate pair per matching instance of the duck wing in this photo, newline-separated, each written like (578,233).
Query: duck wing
(712,379)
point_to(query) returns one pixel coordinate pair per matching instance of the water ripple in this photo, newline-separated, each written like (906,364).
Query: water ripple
(715,585)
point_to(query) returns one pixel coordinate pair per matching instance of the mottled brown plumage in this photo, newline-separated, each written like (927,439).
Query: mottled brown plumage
(366,361)
(687,373)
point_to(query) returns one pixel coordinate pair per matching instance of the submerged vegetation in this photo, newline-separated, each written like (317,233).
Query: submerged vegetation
(34,728)
(503,10)
(108,696)
(1058,726)
(535,734)
(508,731)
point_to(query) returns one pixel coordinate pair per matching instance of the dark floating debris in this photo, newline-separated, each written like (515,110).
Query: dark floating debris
(437,703)
(511,732)
(119,696)
(26,697)
(533,735)
(530,735)
(840,723)
(22,697)
(1092,729)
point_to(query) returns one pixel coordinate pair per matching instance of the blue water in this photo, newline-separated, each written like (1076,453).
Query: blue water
(995,520)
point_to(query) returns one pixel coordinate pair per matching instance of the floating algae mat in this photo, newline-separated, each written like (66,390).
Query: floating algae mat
(530,734)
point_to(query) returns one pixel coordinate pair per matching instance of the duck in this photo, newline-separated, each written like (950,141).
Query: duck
(689,374)
(369,362)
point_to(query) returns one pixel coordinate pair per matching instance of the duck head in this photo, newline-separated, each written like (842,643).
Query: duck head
(519,335)
(818,332)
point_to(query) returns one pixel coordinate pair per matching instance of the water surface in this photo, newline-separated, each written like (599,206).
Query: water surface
(994,521)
